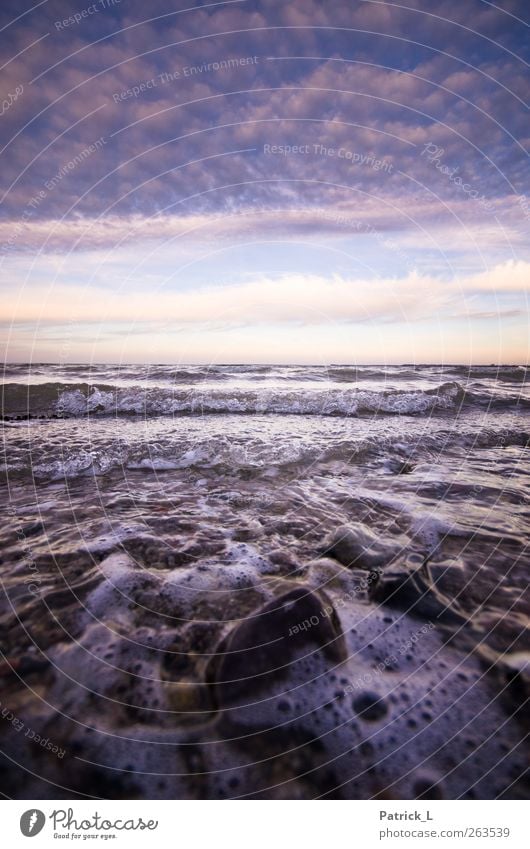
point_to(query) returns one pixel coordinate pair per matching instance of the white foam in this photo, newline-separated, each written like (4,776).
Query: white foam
(323,402)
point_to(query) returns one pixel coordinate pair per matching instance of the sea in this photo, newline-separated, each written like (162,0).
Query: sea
(152,511)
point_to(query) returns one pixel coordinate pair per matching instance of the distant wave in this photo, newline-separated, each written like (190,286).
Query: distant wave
(193,374)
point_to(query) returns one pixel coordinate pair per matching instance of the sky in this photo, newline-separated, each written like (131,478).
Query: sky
(264,181)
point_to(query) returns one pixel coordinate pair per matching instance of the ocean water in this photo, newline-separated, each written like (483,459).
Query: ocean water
(152,512)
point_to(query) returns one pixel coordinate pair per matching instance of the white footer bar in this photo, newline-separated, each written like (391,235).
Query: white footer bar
(265,824)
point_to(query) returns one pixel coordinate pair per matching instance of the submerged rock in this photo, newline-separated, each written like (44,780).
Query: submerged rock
(418,594)
(357,547)
(263,649)
(22,666)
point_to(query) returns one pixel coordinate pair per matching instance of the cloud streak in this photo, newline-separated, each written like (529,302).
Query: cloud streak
(287,299)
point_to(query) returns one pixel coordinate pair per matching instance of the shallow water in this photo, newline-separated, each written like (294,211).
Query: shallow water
(151,509)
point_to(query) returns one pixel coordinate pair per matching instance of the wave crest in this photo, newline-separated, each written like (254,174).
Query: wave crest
(76,400)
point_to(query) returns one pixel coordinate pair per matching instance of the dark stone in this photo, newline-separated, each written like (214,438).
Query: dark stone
(32,529)
(415,593)
(176,664)
(24,665)
(30,664)
(400,467)
(357,547)
(263,648)
(428,787)
(370,706)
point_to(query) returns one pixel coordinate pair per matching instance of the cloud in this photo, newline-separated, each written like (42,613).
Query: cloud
(511,276)
(334,211)
(182,169)
(372,94)
(282,299)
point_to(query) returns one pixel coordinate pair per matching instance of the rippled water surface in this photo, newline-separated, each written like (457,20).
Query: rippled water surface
(224,486)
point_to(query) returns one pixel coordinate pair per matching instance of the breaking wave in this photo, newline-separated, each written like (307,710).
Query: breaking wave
(81,399)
